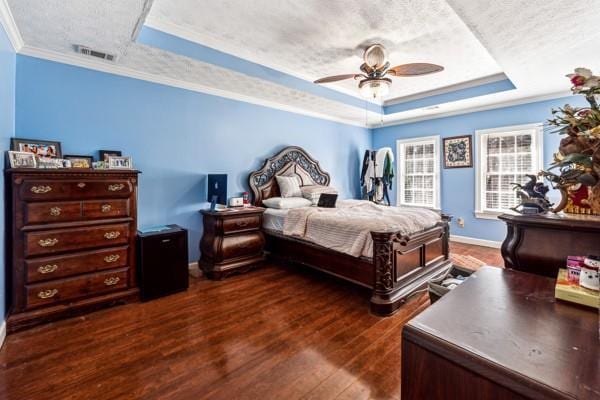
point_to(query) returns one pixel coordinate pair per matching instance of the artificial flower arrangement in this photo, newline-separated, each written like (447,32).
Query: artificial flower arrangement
(578,157)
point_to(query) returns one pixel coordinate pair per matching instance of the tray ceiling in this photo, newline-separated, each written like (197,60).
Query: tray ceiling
(533,43)
(315,38)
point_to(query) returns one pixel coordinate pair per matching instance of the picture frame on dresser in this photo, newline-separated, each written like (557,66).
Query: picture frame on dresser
(104,154)
(41,148)
(21,159)
(120,162)
(80,161)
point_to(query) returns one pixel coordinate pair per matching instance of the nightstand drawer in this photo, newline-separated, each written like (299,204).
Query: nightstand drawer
(241,223)
(59,240)
(68,289)
(46,212)
(41,269)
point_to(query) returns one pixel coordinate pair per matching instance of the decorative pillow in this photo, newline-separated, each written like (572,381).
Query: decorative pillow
(289,186)
(313,192)
(286,203)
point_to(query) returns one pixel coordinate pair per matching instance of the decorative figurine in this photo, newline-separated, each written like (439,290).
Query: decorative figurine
(533,197)
(590,276)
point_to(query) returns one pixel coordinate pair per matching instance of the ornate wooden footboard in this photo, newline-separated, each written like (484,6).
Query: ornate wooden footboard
(400,264)
(404,264)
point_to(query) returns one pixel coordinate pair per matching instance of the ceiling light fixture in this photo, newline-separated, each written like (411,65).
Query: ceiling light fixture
(374,88)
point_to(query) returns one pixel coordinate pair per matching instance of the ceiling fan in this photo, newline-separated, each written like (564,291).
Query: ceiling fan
(374,82)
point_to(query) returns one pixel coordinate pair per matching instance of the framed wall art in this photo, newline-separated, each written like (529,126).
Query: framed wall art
(458,151)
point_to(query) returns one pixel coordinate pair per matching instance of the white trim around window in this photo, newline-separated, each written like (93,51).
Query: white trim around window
(536,150)
(421,174)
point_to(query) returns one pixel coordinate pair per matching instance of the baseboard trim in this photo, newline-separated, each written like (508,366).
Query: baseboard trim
(2,333)
(477,242)
(195,270)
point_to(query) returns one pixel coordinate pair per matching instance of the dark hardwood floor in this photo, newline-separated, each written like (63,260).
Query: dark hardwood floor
(489,255)
(274,333)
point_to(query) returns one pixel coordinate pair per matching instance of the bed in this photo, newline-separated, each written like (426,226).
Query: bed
(399,263)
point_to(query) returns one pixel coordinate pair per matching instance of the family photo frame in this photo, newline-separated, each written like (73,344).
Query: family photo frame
(120,162)
(40,148)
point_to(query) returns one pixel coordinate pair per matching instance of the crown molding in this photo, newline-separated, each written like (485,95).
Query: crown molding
(115,69)
(204,40)
(447,89)
(8,22)
(468,110)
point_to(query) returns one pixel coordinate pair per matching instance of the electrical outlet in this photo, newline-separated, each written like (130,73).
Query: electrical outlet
(460,222)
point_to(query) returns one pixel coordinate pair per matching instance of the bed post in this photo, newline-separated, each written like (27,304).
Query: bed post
(382,302)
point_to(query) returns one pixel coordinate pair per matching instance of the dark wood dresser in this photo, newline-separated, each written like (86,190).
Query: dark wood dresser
(540,244)
(70,242)
(232,241)
(501,335)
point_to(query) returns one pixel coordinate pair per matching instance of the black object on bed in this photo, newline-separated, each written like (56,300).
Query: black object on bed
(327,200)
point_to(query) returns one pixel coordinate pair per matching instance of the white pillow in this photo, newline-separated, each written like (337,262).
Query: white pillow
(289,186)
(284,204)
(313,192)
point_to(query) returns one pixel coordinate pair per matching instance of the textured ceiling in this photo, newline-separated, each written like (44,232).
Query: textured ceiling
(316,38)
(109,25)
(535,43)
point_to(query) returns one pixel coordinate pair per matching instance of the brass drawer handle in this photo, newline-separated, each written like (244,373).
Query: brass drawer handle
(241,224)
(46,269)
(48,242)
(115,187)
(112,258)
(41,189)
(112,234)
(81,185)
(55,211)
(113,280)
(106,208)
(46,294)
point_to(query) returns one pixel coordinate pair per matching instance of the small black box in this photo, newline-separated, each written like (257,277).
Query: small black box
(162,262)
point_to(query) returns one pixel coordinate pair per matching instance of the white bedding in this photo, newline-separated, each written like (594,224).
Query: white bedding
(273,219)
(347,228)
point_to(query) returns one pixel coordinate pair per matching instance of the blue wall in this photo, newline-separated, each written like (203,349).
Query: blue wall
(458,185)
(7,126)
(175,136)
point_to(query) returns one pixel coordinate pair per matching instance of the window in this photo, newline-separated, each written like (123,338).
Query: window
(504,157)
(419,172)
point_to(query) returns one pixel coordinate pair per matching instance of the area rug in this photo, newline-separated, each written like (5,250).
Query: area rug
(466,261)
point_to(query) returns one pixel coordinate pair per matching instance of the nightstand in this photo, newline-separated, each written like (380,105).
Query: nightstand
(232,241)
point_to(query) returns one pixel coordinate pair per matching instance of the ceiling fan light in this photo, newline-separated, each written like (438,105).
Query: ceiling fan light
(374,88)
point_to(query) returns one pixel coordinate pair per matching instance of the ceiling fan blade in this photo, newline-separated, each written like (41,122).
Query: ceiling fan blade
(414,69)
(336,78)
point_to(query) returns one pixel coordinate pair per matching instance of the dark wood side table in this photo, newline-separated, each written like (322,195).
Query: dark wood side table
(541,243)
(232,241)
(501,335)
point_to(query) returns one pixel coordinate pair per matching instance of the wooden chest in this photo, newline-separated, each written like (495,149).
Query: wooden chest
(70,237)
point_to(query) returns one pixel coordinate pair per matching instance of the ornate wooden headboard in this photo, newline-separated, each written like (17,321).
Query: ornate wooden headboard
(291,160)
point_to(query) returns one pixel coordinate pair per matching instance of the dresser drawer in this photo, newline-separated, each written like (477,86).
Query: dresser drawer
(45,212)
(39,190)
(41,269)
(241,223)
(60,240)
(95,209)
(60,290)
